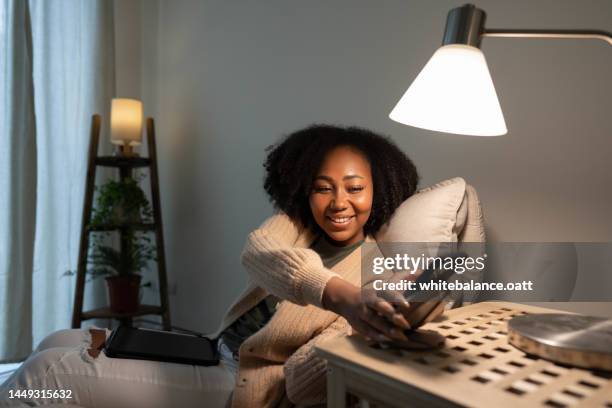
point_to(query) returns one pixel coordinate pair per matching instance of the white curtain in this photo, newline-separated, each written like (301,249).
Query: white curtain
(17,180)
(70,77)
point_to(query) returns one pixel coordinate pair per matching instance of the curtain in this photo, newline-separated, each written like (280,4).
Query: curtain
(17,180)
(69,76)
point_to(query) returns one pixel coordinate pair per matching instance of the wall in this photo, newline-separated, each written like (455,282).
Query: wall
(226,79)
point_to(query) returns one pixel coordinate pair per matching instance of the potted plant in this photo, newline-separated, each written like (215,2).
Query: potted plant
(121,202)
(122,205)
(121,268)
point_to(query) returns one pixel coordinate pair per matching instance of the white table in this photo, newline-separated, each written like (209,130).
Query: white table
(477,367)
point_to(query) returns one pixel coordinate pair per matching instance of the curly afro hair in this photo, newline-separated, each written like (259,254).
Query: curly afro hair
(292,165)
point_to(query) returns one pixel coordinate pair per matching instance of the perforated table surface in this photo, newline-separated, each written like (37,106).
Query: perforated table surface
(476,367)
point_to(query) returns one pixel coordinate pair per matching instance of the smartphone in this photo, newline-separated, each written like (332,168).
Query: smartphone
(428,304)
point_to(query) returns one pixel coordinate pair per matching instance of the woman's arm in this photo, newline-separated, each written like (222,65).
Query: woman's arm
(305,373)
(298,275)
(276,264)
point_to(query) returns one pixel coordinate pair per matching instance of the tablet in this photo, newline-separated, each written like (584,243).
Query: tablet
(156,345)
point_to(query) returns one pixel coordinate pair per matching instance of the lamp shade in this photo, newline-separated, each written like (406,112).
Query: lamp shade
(126,121)
(453,93)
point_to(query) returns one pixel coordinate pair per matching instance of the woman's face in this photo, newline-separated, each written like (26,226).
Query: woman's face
(341,195)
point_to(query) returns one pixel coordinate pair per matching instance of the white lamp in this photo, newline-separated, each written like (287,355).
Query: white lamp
(126,124)
(454,93)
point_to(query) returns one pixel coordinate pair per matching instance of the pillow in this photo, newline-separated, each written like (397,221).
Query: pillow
(434,214)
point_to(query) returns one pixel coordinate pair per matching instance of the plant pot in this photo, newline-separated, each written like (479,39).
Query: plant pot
(123,293)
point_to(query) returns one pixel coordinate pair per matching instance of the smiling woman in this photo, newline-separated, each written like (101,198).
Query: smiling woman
(334,187)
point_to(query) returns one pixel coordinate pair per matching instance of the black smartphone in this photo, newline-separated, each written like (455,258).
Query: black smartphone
(429,303)
(157,345)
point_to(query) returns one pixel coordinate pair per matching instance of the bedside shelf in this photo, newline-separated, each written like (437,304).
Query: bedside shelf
(105,312)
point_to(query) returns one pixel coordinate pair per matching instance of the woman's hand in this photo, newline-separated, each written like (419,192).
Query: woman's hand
(366,312)
(376,317)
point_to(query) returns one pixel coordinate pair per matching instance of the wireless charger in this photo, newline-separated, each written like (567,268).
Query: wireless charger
(575,340)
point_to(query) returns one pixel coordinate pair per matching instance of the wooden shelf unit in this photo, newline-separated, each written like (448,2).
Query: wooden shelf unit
(125,165)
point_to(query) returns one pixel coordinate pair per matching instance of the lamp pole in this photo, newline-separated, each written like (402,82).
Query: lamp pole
(466,25)
(569,34)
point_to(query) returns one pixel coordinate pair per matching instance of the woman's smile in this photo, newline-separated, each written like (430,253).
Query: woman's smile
(340,221)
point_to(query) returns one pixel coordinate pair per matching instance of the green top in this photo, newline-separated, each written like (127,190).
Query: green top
(257,317)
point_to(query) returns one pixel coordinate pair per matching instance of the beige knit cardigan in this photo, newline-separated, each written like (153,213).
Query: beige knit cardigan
(278,365)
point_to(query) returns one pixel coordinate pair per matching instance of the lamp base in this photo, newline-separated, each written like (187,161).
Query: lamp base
(125,151)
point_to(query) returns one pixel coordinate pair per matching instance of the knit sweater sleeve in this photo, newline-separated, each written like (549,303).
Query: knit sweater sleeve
(305,372)
(275,263)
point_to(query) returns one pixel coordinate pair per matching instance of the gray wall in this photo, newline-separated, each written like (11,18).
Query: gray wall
(226,79)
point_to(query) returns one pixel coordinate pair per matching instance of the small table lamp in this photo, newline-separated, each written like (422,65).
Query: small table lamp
(454,93)
(126,125)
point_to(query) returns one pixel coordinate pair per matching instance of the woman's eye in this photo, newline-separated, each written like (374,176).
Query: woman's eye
(321,189)
(355,189)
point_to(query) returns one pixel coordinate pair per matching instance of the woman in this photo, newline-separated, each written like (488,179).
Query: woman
(335,187)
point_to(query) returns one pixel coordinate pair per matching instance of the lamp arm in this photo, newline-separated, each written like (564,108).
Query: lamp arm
(575,34)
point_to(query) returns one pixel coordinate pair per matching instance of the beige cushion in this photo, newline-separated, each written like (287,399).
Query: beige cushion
(447,212)
(434,214)
(474,230)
